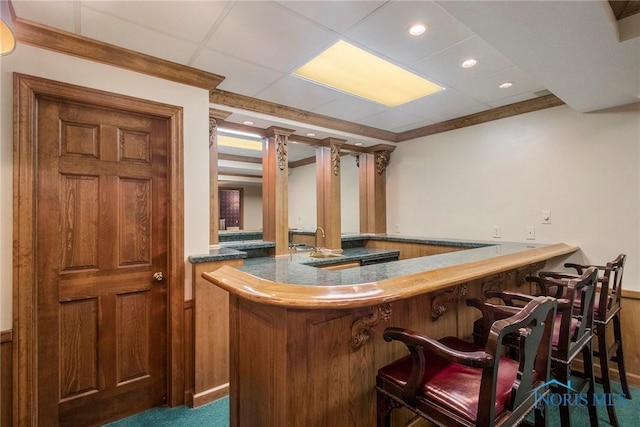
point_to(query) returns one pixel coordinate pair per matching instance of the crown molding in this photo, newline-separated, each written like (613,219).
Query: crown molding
(35,34)
(515,109)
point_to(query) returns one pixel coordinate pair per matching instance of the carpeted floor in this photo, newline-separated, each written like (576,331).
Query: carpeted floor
(216,414)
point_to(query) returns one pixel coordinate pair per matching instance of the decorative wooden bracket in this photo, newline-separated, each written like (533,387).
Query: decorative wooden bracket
(438,307)
(522,273)
(494,282)
(360,329)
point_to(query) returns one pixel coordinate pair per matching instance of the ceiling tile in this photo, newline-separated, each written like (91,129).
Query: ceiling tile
(241,76)
(486,88)
(187,20)
(270,35)
(444,105)
(99,26)
(340,16)
(444,66)
(57,14)
(351,108)
(298,93)
(390,119)
(385,31)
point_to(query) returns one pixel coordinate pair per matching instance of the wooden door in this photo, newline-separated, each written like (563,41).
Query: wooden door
(101,246)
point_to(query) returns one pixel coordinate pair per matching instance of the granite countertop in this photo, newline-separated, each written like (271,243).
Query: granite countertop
(298,270)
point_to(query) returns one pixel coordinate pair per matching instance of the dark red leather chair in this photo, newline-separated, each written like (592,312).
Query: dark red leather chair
(572,335)
(453,382)
(606,312)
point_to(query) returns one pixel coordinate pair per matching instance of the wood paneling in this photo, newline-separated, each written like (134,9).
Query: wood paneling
(412,250)
(210,362)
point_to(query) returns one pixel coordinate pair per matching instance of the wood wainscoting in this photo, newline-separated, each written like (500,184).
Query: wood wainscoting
(210,350)
(6,378)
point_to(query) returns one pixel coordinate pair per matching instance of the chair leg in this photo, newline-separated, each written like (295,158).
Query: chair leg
(383,410)
(561,372)
(587,357)
(617,336)
(603,352)
(541,415)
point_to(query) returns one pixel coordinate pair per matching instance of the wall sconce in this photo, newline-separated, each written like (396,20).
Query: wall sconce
(7,39)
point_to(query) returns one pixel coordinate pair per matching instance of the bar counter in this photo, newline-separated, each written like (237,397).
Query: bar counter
(306,343)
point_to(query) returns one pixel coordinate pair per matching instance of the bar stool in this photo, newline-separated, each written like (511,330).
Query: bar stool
(453,382)
(606,312)
(573,331)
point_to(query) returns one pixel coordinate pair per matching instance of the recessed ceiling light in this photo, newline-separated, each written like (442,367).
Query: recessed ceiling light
(505,85)
(417,29)
(357,72)
(248,123)
(311,134)
(471,62)
(359,144)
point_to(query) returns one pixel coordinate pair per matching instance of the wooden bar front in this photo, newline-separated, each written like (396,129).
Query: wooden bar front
(308,355)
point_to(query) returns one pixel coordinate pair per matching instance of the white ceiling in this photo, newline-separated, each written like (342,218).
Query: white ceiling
(570,48)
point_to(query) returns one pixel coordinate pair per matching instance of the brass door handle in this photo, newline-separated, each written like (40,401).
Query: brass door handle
(158,276)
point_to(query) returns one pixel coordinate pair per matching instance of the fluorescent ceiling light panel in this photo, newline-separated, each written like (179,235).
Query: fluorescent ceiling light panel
(233,142)
(352,70)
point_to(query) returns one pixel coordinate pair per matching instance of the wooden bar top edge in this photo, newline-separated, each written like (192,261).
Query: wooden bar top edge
(264,291)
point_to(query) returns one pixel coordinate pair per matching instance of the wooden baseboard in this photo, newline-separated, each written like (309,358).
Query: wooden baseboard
(210,395)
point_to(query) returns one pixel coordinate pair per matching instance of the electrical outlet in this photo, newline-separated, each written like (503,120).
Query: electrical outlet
(496,231)
(397,228)
(531,233)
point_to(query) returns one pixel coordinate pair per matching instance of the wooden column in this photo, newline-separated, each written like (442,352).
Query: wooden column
(215,116)
(328,193)
(373,191)
(214,209)
(275,189)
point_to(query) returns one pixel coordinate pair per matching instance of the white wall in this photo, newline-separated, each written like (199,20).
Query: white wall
(252,207)
(195,102)
(581,167)
(302,197)
(303,207)
(349,195)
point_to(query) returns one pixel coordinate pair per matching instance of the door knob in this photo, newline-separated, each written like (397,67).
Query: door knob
(158,276)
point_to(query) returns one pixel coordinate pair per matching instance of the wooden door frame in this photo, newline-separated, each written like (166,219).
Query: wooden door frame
(25,320)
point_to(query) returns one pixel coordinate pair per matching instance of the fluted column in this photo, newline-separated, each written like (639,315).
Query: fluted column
(328,193)
(275,189)
(373,191)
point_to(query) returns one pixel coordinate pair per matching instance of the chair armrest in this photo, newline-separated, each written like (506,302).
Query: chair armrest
(414,340)
(546,283)
(581,267)
(498,311)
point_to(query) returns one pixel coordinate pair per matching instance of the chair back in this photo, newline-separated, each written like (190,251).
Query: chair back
(576,324)
(534,327)
(611,290)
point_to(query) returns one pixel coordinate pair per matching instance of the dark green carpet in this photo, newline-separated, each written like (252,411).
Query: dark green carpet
(216,414)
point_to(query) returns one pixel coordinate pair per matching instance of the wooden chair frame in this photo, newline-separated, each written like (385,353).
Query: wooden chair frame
(533,324)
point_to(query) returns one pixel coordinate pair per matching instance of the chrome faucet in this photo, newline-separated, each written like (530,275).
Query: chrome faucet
(316,249)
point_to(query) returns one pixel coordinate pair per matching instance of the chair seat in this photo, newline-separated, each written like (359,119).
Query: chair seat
(451,385)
